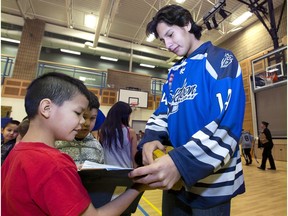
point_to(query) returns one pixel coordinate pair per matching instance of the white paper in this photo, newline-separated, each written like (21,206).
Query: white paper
(94,165)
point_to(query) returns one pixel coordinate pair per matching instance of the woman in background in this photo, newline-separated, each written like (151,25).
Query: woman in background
(266,141)
(119,141)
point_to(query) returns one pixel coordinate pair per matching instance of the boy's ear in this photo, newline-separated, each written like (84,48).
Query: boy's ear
(45,107)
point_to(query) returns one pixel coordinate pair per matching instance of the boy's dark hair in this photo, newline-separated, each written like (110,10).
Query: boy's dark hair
(11,122)
(93,102)
(23,127)
(173,15)
(55,86)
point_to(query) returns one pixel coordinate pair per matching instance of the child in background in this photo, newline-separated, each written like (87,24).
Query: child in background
(119,141)
(22,129)
(85,146)
(246,141)
(49,183)
(8,138)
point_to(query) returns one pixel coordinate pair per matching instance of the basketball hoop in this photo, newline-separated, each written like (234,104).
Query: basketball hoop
(134,105)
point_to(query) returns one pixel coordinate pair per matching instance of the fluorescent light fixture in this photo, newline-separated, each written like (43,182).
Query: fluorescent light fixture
(109,58)
(90,21)
(180,1)
(242,18)
(88,44)
(150,38)
(147,65)
(272,70)
(235,29)
(70,51)
(10,40)
(82,78)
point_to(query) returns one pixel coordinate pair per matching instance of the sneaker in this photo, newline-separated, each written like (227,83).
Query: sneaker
(261,168)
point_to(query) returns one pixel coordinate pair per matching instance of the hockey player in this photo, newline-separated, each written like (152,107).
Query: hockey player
(201,114)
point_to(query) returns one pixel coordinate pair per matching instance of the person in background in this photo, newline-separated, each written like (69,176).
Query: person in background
(266,140)
(22,129)
(201,113)
(119,141)
(85,146)
(141,134)
(9,134)
(38,179)
(246,141)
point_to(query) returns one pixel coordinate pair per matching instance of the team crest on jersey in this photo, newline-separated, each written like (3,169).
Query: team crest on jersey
(186,92)
(227,60)
(180,67)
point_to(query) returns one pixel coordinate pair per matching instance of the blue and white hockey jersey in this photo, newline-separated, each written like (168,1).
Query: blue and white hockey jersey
(201,113)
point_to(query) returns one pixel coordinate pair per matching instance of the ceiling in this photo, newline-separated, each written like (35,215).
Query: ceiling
(120,31)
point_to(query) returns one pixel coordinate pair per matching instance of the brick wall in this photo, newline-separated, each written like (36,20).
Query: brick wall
(124,79)
(29,50)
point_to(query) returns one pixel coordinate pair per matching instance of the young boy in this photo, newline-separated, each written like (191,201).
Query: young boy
(8,138)
(37,179)
(85,146)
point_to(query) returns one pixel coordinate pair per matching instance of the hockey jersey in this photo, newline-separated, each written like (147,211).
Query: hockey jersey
(201,112)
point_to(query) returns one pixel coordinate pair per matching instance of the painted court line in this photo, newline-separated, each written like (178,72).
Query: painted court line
(142,210)
(152,206)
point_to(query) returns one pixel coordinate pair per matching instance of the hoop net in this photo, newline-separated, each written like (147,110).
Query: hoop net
(134,105)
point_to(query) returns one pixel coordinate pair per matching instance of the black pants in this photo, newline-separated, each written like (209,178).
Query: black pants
(267,154)
(247,155)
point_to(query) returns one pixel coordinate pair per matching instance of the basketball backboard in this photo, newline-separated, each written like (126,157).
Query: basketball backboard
(138,98)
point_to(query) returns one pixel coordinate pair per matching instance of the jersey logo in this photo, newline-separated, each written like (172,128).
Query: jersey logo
(180,67)
(182,94)
(227,60)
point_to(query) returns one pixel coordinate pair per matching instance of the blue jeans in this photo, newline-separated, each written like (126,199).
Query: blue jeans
(172,206)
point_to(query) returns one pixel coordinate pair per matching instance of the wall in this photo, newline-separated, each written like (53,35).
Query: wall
(255,38)
(18,110)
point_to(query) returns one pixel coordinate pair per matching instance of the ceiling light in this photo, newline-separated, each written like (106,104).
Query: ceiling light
(10,40)
(150,38)
(108,58)
(90,21)
(235,29)
(242,18)
(70,51)
(147,65)
(180,1)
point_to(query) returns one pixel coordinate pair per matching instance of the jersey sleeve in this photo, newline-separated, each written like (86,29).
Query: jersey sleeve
(157,126)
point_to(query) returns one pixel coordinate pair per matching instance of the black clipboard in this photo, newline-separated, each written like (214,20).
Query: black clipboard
(104,185)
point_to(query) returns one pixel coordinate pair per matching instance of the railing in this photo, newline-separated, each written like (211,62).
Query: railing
(94,78)
(91,77)
(7,66)
(157,86)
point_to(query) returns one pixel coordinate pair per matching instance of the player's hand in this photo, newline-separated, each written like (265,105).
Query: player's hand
(147,151)
(161,174)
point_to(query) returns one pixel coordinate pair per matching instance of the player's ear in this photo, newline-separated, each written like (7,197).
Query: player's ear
(45,107)
(188,26)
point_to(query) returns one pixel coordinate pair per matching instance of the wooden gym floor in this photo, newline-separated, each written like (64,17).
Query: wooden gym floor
(266,194)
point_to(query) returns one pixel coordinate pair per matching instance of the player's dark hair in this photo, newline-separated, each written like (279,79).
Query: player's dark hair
(55,86)
(173,15)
